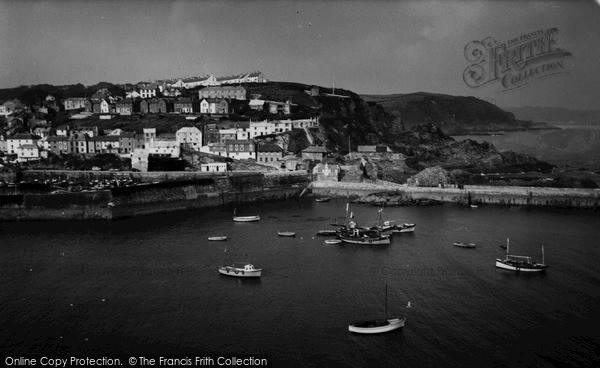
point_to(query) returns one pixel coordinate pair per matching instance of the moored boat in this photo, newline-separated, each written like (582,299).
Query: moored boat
(405,228)
(286,233)
(240,270)
(375,326)
(363,236)
(520,263)
(217,238)
(333,241)
(322,199)
(246,218)
(464,245)
(327,232)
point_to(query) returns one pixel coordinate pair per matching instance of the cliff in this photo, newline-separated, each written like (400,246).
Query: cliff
(453,114)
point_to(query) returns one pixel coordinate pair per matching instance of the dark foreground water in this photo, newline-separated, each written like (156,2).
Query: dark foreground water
(150,286)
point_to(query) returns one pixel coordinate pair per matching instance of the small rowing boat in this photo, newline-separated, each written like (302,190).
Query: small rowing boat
(217,238)
(286,233)
(323,199)
(246,218)
(333,241)
(464,245)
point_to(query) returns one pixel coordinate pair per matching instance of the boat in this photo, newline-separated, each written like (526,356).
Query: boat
(363,236)
(217,238)
(239,269)
(473,206)
(333,241)
(377,325)
(246,218)
(381,225)
(464,245)
(520,263)
(286,233)
(322,199)
(331,232)
(405,228)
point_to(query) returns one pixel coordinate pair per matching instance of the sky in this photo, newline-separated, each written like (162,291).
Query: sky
(369,47)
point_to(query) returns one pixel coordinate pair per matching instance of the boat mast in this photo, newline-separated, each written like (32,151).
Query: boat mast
(543,260)
(386,301)
(347,221)
(507,243)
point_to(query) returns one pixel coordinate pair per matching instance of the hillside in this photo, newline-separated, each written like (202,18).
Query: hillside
(453,114)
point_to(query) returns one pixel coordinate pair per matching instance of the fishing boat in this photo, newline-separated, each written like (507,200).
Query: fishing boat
(377,325)
(464,245)
(286,233)
(331,232)
(333,241)
(246,218)
(322,199)
(405,228)
(217,238)
(382,226)
(520,263)
(363,236)
(240,269)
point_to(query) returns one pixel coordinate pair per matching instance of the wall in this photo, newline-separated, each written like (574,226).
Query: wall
(173,195)
(525,196)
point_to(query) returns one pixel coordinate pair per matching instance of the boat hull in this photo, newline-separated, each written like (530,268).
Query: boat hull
(526,268)
(217,238)
(246,218)
(333,241)
(238,272)
(410,228)
(288,234)
(368,241)
(327,232)
(364,328)
(464,245)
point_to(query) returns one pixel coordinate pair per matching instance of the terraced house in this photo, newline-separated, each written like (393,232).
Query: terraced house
(240,149)
(232,92)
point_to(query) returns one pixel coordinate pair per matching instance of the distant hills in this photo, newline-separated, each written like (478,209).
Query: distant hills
(556,115)
(452,114)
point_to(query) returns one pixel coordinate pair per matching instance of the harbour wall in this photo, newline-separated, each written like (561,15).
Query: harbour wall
(153,198)
(468,195)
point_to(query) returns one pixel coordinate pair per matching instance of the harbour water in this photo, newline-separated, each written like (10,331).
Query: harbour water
(150,286)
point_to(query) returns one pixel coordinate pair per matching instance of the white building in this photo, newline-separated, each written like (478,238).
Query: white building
(149,91)
(190,137)
(164,146)
(240,149)
(259,128)
(280,126)
(104,106)
(208,80)
(214,167)
(28,152)
(22,139)
(74,103)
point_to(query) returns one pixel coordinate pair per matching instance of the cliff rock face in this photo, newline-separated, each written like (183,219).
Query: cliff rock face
(427,146)
(453,114)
